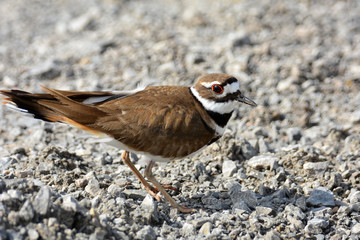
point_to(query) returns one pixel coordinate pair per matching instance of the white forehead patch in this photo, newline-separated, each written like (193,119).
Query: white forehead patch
(209,84)
(231,88)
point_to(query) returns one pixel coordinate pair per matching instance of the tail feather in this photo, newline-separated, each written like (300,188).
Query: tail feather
(58,106)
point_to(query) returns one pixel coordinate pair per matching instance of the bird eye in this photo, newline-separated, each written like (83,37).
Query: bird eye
(217,88)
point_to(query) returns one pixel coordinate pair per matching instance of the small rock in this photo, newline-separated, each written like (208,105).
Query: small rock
(212,202)
(47,70)
(15,194)
(188,229)
(33,234)
(263,162)
(228,168)
(265,211)
(135,193)
(9,82)
(70,204)
(237,196)
(26,212)
(150,207)
(356,229)
(84,21)
(354,197)
(263,146)
(295,216)
(242,206)
(95,202)
(93,187)
(321,197)
(247,150)
(355,117)
(272,235)
(2,183)
(146,233)
(42,203)
(316,226)
(99,234)
(114,190)
(205,228)
(315,168)
(200,221)
(293,134)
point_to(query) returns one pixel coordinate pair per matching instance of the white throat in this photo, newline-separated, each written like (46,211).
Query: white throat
(211,105)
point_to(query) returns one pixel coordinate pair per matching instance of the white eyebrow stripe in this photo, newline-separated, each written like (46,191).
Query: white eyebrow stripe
(209,84)
(228,88)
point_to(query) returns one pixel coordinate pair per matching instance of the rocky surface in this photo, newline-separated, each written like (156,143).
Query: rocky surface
(288,169)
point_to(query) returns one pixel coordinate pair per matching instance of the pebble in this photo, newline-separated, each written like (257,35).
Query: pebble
(26,211)
(42,201)
(70,204)
(321,197)
(263,162)
(356,229)
(146,233)
(228,168)
(238,196)
(93,187)
(316,168)
(316,226)
(205,228)
(150,208)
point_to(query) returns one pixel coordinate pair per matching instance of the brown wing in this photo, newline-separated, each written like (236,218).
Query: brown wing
(166,117)
(162,116)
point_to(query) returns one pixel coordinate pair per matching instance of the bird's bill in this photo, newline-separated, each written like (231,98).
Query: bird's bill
(246,100)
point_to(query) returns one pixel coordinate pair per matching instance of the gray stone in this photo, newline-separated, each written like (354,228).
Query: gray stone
(205,228)
(265,211)
(2,182)
(46,70)
(99,234)
(354,197)
(356,229)
(42,201)
(293,134)
(272,235)
(150,209)
(70,204)
(263,162)
(247,150)
(263,146)
(26,211)
(212,202)
(188,229)
(33,234)
(321,197)
(93,187)
(316,226)
(146,233)
(316,168)
(237,196)
(135,193)
(15,194)
(228,168)
(200,221)
(295,216)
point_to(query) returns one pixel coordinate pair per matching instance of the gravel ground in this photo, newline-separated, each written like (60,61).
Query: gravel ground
(287,169)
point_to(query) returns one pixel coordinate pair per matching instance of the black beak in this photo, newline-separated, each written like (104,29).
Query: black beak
(246,100)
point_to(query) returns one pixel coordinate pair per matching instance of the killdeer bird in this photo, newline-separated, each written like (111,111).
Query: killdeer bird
(162,122)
